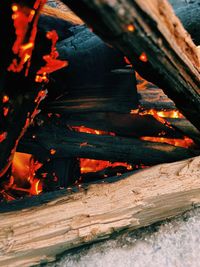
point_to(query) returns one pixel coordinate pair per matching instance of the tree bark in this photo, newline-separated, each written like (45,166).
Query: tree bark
(62,221)
(171,61)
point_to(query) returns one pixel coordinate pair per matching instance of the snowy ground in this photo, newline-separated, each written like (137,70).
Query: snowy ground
(174,244)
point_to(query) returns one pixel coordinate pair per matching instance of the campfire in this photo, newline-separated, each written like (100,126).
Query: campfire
(94,126)
(26,179)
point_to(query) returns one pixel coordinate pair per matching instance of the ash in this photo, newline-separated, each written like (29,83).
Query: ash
(171,243)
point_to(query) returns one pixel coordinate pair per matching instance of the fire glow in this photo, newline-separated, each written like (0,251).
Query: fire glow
(22,17)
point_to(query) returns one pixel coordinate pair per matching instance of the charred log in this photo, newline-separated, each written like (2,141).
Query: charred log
(158,33)
(112,148)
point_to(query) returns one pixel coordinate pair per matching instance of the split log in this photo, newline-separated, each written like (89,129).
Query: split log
(135,125)
(111,148)
(171,59)
(57,222)
(123,124)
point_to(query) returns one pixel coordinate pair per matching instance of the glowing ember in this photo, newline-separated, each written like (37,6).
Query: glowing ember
(5,99)
(170,114)
(92,165)
(3,136)
(5,111)
(186,142)
(160,116)
(141,83)
(131,28)
(83,129)
(52,151)
(143,57)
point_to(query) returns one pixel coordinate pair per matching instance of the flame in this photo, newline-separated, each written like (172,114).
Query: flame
(52,63)
(23,176)
(23,48)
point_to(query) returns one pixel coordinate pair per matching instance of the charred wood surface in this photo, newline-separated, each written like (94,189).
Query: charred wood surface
(112,148)
(172,59)
(124,125)
(61,221)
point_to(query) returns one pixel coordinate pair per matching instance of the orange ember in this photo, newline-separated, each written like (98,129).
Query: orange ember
(5,99)
(3,136)
(83,129)
(185,142)
(131,28)
(161,115)
(143,57)
(93,165)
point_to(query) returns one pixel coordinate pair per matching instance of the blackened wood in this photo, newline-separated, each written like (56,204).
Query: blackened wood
(101,90)
(122,124)
(112,148)
(173,61)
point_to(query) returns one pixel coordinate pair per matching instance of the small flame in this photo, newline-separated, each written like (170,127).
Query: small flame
(23,174)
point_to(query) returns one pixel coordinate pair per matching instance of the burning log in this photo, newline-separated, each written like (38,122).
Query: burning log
(60,221)
(122,124)
(155,42)
(103,147)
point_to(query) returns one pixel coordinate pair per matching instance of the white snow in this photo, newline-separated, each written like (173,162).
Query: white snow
(175,244)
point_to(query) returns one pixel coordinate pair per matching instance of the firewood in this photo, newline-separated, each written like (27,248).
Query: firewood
(134,125)
(104,147)
(155,42)
(57,222)
(122,124)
